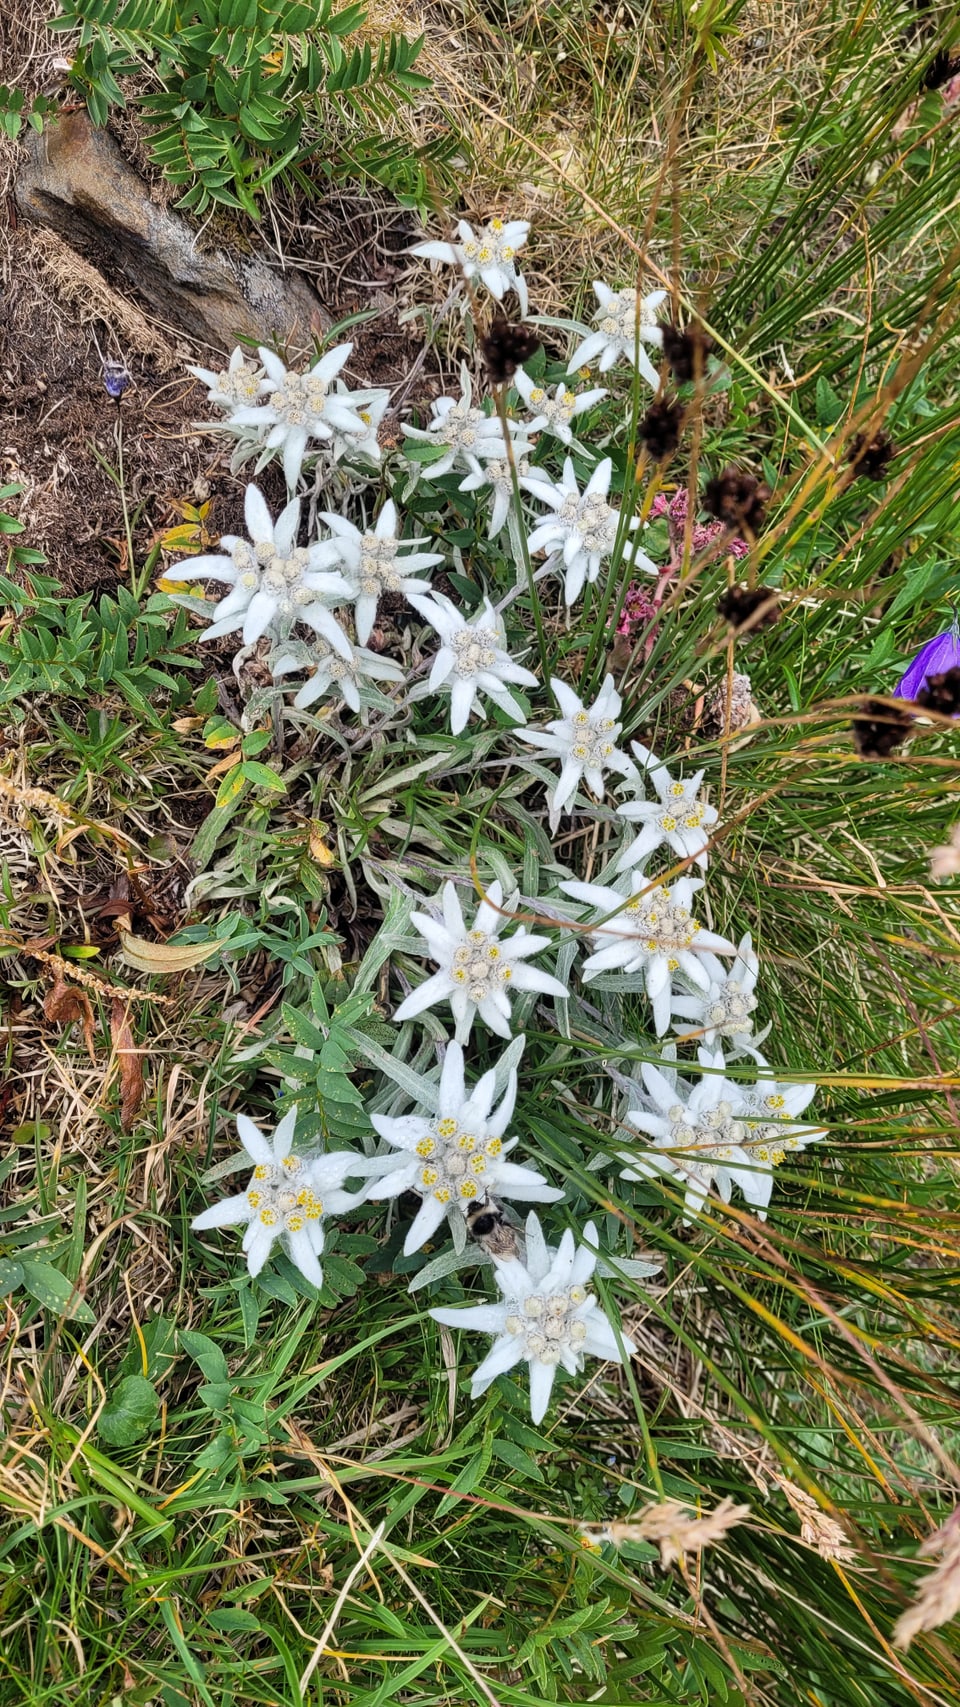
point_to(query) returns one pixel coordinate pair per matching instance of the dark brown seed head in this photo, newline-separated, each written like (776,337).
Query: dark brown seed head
(737,499)
(686,352)
(940,70)
(870,455)
(661,427)
(942,693)
(879,729)
(505,348)
(738,604)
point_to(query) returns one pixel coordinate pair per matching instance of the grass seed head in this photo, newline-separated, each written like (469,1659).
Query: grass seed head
(506,347)
(942,693)
(686,352)
(738,604)
(737,499)
(869,456)
(879,729)
(661,428)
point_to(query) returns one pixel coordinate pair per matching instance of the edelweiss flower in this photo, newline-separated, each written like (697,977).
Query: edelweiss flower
(456,1152)
(477,968)
(725,1008)
(546,1316)
(624,322)
(553,414)
(497,476)
(698,1136)
(585,741)
(333,673)
(370,406)
(489,255)
(472,659)
(239,383)
(273,580)
(583,528)
(466,432)
(655,934)
(300,407)
(287,1198)
(678,817)
(767,1111)
(374,566)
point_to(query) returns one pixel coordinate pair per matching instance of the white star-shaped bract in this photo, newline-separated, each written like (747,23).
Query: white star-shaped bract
(496,476)
(454,1152)
(655,934)
(300,407)
(287,1198)
(349,444)
(377,561)
(333,674)
(698,1136)
(465,432)
(723,1012)
(472,659)
(489,255)
(237,384)
(768,1111)
(585,742)
(583,528)
(273,580)
(553,413)
(477,968)
(678,817)
(624,322)
(546,1316)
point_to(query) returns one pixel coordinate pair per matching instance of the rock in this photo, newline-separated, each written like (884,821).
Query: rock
(75,181)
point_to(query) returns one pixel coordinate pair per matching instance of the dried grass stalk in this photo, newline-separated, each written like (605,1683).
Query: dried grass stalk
(36,798)
(81,974)
(817,1528)
(939,1598)
(669,1525)
(77,285)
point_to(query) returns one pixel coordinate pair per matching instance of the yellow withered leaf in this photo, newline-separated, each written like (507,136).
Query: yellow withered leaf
(158,958)
(320,849)
(228,764)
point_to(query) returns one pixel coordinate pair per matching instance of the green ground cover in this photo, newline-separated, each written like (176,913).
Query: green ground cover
(227,1488)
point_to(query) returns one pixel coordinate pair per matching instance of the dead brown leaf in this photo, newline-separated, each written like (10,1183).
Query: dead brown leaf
(131,1069)
(64,1005)
(224,765)
(160,958)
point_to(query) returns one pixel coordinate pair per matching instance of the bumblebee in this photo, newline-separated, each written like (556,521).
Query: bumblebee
(487,1224)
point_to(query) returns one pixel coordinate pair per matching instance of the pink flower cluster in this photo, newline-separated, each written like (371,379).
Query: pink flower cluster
(638,609)
(704,534)
(640,606)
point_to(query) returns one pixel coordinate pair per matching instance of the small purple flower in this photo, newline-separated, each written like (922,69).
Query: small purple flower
(940,654)
(115,379)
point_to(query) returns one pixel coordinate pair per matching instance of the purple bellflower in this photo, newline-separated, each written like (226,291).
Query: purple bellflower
(115,379)
(940,654)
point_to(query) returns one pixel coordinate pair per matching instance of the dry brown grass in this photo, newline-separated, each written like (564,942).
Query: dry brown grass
(85,294)
(579,120)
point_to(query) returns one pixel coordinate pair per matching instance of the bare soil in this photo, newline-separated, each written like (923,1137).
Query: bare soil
(62,436)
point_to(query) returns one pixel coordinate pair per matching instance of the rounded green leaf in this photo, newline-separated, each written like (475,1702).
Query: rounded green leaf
(130,1412)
